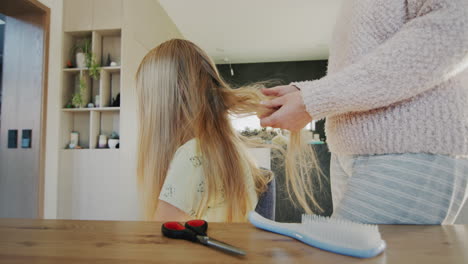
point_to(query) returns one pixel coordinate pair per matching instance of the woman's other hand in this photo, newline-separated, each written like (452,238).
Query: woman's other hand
(290,112)
(279,90)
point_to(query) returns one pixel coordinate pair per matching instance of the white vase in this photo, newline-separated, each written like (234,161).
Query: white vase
(80,60)
(112,143)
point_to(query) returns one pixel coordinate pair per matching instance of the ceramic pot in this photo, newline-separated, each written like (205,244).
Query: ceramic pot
(112,143)
(80,60)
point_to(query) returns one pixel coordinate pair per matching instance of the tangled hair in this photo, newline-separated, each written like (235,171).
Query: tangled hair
(182,96)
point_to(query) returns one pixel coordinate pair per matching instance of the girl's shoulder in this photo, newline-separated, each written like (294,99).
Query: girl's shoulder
(189,146)
(188,152)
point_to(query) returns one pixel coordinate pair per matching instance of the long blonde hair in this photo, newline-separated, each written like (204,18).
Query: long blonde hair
(182,96)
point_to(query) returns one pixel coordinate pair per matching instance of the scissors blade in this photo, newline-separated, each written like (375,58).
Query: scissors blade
(220,245)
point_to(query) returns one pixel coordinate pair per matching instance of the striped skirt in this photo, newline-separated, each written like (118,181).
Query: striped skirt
(398,188)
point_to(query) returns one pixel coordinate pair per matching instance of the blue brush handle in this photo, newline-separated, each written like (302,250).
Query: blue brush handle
(291,230)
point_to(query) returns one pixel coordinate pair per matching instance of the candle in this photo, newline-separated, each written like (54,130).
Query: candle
(74,137)
(102,141)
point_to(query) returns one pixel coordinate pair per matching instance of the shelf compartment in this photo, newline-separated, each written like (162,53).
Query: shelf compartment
(103,123)
(110,122)
(71,82)
(107,42)
(70,40)
(109,85)
(76,122)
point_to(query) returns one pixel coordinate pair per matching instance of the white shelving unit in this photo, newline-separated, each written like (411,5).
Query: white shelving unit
(104,118)
(92,183)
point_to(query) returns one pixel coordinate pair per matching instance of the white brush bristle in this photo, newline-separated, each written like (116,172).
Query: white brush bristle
(341,232)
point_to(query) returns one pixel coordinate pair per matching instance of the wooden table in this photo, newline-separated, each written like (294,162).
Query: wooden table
(72,241)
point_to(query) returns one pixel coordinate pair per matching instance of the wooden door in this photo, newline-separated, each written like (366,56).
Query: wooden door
(23,85)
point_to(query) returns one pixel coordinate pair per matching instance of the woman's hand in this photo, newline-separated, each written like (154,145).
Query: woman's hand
(279,90)
(290,112)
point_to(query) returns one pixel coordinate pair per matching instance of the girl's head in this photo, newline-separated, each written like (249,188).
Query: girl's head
(182,96)
(179,85)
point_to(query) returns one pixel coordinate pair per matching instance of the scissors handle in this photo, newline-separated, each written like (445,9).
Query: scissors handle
(205,240)
(178,231)
(198,226)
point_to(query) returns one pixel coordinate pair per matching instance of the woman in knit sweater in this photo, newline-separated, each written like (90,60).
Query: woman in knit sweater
(396,103)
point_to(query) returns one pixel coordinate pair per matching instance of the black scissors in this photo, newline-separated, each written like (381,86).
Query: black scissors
(195,231)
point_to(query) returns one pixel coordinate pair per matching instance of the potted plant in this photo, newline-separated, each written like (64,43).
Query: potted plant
(81,51)
(77,100)
(113,140)
(93,66)
(85,58)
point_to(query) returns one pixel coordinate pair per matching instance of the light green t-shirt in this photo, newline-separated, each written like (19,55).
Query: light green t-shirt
(184,186)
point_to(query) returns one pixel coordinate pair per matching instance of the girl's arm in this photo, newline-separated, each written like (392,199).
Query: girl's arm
(167,212)
(181,193)
(427,50)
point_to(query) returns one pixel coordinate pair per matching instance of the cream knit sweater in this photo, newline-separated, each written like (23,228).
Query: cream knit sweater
(397,78)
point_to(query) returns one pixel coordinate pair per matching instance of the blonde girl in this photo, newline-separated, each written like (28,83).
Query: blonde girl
(191,162)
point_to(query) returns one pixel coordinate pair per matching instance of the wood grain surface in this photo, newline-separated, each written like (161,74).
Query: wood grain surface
(74,241)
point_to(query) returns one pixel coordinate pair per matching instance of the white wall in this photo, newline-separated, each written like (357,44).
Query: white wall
(145,25)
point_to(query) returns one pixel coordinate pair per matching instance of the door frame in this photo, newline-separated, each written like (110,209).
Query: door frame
(45,74)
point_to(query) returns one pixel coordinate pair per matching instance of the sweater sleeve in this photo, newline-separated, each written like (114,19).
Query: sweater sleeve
(426,51)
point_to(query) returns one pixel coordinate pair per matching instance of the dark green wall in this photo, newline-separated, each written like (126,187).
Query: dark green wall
(285,71)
